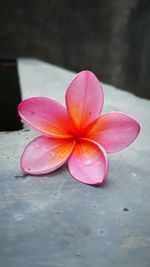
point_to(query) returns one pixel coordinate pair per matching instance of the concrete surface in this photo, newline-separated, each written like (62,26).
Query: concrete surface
(55,221)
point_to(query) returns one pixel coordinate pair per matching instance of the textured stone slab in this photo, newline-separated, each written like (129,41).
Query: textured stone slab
(55,221)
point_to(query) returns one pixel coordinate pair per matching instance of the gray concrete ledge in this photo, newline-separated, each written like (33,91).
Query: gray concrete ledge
(55,221)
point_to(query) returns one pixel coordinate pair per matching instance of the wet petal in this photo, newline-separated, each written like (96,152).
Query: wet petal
(88,163)
(44,154)
(114,131)
(84,98)
(45,115)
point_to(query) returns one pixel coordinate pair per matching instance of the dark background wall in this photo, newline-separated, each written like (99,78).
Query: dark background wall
(109,37)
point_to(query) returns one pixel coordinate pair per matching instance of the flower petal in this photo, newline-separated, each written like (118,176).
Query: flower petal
(114,131)
(45,115)
(84,99)
(44,154)
(88,163)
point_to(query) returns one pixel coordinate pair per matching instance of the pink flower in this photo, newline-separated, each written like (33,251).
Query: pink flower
(77,134)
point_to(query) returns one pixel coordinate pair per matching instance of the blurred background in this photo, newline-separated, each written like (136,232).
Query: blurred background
(111,38)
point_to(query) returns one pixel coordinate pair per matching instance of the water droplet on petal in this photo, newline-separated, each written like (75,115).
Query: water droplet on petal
(37,146)
(44,150)
(88,162)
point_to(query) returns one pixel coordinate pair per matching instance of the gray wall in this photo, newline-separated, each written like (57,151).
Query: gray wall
(109,37)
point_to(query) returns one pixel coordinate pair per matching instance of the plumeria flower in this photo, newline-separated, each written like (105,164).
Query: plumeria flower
(77,134)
